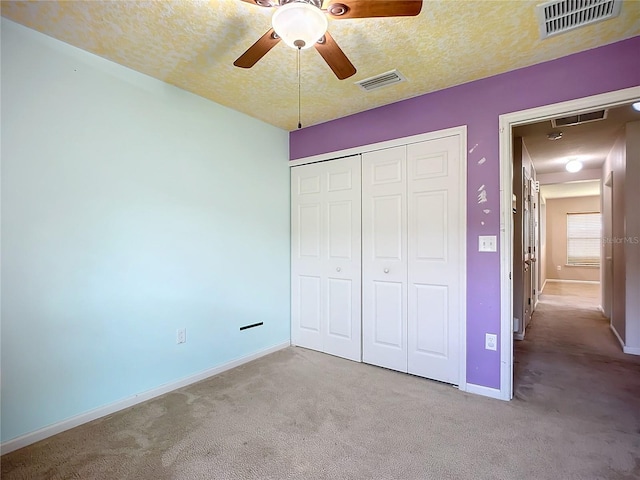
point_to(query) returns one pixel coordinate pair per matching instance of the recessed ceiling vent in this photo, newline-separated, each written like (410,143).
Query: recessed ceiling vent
(382,80)
(578,119)
(559,16)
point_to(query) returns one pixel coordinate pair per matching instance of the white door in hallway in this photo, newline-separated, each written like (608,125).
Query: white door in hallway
(435,217)
(325,260)
(384,258)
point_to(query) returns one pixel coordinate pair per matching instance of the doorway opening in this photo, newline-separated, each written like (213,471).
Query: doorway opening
(528,246)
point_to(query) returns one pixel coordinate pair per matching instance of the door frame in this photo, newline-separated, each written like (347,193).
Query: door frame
(461,132)
(507,123)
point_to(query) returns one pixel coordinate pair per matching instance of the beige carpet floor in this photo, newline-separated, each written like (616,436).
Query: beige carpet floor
(299,414)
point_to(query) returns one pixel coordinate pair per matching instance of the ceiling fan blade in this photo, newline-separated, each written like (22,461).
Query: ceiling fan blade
(340,9)
(335,57)
(258,50)
(263,3)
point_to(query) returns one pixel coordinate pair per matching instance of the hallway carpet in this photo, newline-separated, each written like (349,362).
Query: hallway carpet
(572,362)
(299,414)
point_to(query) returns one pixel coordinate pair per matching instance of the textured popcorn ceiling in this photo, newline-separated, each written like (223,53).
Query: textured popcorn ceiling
(193,44)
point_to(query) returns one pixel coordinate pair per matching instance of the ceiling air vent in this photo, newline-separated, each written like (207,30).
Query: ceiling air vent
(382,80)
(578,119)
(559,16)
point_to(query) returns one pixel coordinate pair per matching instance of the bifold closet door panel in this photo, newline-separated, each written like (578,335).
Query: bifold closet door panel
(434,243)
(343,243)
(326,256)
(384,259)
(307,210)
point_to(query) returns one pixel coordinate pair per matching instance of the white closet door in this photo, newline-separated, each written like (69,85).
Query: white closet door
(434,243)
(384,259)
(342,294)
(326,252)
(307,209)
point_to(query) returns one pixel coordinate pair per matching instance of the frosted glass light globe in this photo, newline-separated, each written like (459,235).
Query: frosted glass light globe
(300,25)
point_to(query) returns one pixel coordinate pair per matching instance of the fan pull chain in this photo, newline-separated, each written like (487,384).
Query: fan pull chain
(299,123)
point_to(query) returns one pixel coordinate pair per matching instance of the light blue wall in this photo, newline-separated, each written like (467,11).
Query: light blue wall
(130,208)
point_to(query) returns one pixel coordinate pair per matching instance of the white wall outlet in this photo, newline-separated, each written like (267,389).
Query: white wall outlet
(181,336)
(559,267)
(491,341)
(487,243)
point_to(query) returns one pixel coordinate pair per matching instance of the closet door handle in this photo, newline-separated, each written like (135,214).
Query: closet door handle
(386,270)
(338,269)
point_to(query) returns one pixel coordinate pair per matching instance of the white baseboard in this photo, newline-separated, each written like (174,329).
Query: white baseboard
(485,391)
(625,348)
(558,280)
(615,332)
(544,284)
(631,350)
(48,431)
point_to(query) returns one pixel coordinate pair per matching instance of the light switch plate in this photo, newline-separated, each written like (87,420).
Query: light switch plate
(487,243)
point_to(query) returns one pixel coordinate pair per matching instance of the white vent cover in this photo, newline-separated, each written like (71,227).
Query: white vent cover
(559,16)
(382,80)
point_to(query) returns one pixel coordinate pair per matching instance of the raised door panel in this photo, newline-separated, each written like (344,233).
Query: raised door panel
(340,230)
(387,219)
(430,225)
(388,306)
(386,346)
(339,308)
(432,304)
(384,266)
(435,211)
(307,311)
(309,220)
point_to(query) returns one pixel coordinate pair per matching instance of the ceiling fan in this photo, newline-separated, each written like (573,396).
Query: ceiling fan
(303,23)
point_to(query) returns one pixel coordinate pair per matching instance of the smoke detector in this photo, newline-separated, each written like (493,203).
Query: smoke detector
(554,136)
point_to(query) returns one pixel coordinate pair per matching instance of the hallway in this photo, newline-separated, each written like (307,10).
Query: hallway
(570,361)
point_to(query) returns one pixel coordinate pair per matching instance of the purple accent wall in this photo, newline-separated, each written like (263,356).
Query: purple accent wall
(478,105)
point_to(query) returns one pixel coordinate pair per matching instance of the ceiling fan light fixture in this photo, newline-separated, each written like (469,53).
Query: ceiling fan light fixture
(299,25)
(337,9)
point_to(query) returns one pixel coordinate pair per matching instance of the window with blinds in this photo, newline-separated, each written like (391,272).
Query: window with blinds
(583,238)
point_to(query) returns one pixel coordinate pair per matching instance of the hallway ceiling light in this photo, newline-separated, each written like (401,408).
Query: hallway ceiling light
(573,166)
(636,106)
